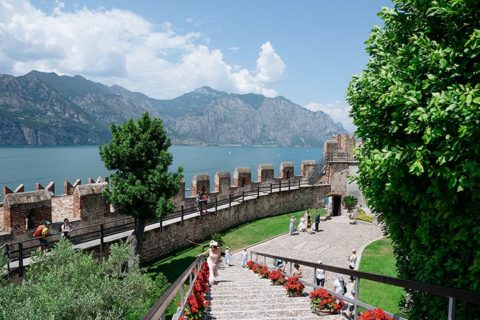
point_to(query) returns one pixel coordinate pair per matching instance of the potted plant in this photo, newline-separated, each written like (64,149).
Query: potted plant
(277,278)
(323,303)
(294,287)
(376,314)
(264,272)
(350,202)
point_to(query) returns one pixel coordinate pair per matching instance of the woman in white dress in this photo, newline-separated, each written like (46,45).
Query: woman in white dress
(213,261)
(302,226)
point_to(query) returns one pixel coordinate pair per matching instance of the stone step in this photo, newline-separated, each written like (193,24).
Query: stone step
(239,296)
(260,305)
(267,313)
(255,300)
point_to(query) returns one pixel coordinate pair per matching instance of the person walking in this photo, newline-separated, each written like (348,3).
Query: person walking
(244,258)
(339,285)
(41,233)
(317,222)
(320,276)
(309,220)
(66,228)
(302,226)
(228,256)
(292,226)
(352,261)
(213,261)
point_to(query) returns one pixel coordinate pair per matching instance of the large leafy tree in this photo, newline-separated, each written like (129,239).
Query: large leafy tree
(417,109)
(140,185)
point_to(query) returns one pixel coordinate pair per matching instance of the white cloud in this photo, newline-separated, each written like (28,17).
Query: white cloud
(120,47)
(234,49)
(337,110)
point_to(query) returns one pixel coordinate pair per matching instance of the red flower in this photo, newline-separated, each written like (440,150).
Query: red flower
(376,314)
(277,277)
(320,299)
(294,286)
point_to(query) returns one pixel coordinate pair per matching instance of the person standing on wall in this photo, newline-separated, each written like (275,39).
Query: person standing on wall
(199,201)
(66,228)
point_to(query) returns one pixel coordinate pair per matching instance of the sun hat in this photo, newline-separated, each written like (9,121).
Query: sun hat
(213,243)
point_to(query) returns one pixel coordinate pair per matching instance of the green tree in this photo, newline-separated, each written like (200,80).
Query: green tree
(417,110)
(70,284)
(141,185)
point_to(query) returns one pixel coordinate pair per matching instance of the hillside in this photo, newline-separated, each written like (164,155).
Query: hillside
(48,109)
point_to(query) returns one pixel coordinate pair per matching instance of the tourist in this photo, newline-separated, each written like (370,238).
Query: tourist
(352,261)
(339,285)
(66,228)
(320,276)
(199,201)
(41,233)
(309,220)
(228,256)
(205,200)
(317,222)
(244,257)
(292,225)
(278,264)
(296,271)
(301,225)
(213,260)
(351,306)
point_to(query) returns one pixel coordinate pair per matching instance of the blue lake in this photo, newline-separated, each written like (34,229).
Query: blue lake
(29,165)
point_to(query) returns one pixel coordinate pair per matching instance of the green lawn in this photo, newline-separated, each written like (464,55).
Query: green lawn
(378,258)
(239,237)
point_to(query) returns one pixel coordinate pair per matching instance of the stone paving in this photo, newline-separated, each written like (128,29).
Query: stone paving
(333,245)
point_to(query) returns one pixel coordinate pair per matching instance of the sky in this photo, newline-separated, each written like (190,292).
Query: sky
(306,51)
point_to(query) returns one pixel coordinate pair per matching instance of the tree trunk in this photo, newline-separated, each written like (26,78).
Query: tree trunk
(135,241)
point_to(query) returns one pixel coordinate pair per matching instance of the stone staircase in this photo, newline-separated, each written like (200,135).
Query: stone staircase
(241,294)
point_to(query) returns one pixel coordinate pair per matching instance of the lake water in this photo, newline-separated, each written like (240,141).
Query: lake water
(29,165)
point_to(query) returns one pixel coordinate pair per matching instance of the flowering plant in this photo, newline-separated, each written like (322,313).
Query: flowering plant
(376,314)
(294,287)
(264,272)
(196,306)
(250,264)
(320,299)
(277,277)
(256,268)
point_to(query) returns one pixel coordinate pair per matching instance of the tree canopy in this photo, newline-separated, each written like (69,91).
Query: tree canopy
(140,185)
(417,110)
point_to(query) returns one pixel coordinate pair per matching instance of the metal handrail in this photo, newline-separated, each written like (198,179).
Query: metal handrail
(452,294)
(157,311)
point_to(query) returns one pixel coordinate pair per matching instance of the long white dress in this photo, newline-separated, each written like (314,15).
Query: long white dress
(302,225)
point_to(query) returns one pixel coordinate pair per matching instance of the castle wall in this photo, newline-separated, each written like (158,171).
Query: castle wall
(89,203)
(173,237)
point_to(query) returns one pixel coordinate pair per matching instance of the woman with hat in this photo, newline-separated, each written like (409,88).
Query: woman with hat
(213,260)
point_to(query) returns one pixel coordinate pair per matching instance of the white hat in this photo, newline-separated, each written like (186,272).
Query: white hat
(213,243)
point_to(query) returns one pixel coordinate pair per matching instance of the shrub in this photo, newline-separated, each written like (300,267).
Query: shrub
(264,272)
(350,202)
(363,216)
(70,284)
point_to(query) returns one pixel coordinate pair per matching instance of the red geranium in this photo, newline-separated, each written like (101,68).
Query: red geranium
(250,264)
(376,314)
(294,287)
(277,277)
(196,306)
(264,272)
(320,299)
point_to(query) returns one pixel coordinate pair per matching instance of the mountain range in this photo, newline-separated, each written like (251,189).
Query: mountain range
(47,109)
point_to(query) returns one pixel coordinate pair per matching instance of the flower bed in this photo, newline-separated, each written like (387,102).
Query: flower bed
(321,300)
(277,278)
(294,287)
(196,306)
(376,314)
(264,272)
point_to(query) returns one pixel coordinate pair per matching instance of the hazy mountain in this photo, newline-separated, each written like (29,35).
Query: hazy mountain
(47,109)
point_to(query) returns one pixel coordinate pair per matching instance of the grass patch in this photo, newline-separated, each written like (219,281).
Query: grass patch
(236,238)
(378,258)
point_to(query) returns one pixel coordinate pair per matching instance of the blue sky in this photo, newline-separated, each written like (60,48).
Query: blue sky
(304,50)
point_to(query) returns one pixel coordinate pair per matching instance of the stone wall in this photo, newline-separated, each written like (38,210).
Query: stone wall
(338,177)
(353,189)
(177,235)
(89,203)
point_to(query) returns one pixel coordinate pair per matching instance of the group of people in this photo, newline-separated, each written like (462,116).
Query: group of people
(305,223)
(42,232)
(202,200)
